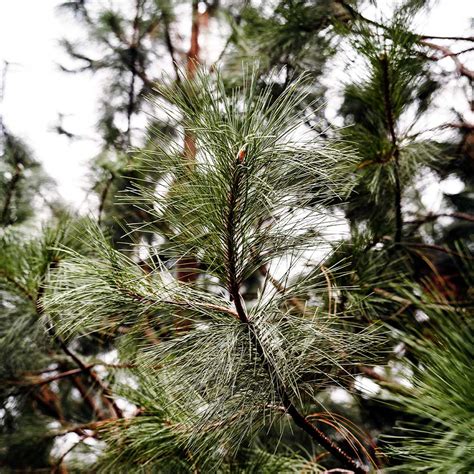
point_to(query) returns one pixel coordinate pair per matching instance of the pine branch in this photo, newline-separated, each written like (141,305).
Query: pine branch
(107,395)
(460,67)
(233,282)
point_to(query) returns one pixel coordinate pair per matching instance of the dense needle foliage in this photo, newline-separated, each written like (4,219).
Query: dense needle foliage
(257,289)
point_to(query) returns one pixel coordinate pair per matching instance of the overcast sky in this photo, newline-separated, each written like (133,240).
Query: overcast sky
(37,91)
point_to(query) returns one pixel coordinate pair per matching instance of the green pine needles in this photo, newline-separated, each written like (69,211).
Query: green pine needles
(211,372)
(438,435)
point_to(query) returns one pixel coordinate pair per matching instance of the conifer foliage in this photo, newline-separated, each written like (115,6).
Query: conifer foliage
(234,369)
(258,289)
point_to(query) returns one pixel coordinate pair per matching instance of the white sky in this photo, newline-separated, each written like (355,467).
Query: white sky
(36,90)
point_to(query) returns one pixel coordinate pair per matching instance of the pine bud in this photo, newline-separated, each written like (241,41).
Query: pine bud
(241,155)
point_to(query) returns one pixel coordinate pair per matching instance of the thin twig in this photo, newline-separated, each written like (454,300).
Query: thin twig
(460,67)
(170,47)
(432,217)
(453,38)
(293,300)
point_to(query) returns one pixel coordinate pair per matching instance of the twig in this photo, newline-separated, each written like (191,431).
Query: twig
(61,459)
(438,248)
(382,381)
(453,38)
(170,47)
(43,381)
(432,217)
(460,67)
(88,397)
(298,304)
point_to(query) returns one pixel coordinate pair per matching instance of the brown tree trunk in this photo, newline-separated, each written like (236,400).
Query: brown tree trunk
(186,268)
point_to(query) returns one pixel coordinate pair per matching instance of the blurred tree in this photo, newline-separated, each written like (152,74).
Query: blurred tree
(131,45)
(21,176)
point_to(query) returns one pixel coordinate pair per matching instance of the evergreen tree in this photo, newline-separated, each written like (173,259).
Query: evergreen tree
(247,201)
(239,334)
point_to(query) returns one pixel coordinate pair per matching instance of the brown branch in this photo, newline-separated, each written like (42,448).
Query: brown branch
(193,52)
(447,55)
(437,248)
(88,397)
(460,67)
(80,429)
(48,402)
(103,197)
(106,393)
(453,38)
(36,380)
(233,283)
(293,300)
(59,468)
(134,46)
(382,381)
(404,301)
(170,47)
(432,217)
(463,126)
(187,267)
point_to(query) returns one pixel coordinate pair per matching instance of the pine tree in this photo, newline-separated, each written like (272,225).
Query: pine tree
(239,334)
(242,205)
(21,176)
